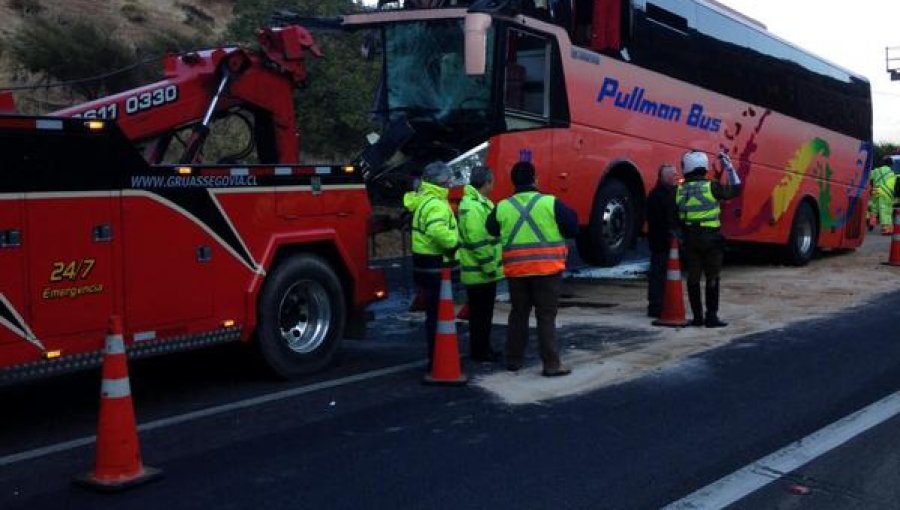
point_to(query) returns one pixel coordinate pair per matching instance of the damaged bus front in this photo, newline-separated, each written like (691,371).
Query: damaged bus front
(443,91)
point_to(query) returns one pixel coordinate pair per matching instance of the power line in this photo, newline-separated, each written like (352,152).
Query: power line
(79,81)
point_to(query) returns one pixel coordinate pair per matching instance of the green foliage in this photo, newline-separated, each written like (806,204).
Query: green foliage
(333,109)
(885,149)
(25,6)
(72,49)
(134,13)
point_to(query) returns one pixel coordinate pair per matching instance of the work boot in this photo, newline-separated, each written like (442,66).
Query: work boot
(712,305)
(696,304)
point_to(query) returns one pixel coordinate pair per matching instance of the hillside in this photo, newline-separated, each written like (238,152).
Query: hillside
(132,19)
(132,22)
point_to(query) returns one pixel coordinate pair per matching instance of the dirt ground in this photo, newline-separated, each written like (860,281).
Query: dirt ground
(756,296)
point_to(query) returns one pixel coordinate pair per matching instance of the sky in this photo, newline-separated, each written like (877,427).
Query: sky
(853,35)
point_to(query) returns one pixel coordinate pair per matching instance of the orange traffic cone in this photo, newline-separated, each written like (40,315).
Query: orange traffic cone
(463,314)
(673,299)
(118,465)
(894,259)
(445,367)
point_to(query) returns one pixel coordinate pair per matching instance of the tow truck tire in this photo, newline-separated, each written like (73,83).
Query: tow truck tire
(804,236)
(301,316)
(612,228)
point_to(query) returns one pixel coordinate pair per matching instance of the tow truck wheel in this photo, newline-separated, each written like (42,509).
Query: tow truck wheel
(301,316)
(612,226)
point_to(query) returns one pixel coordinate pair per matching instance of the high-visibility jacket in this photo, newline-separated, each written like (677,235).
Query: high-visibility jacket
(479,252)
(434,229)
(697,206)
(531,240)
(883,182)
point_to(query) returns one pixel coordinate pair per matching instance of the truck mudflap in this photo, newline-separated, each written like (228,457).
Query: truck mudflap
(82,361)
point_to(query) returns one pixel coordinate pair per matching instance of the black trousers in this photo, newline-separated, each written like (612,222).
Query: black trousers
(656,281)
(481,315)
(429,284)
(705,250)
(542,294)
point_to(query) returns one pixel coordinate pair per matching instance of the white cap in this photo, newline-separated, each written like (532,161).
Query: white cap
(693,161)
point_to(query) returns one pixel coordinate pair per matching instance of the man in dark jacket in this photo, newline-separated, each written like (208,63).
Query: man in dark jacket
(662,222)
(532,228)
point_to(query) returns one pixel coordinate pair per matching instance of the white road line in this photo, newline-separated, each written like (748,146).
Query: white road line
(764,471)
(212,411)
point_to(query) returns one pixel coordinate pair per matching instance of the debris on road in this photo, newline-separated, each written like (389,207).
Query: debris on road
(756,298)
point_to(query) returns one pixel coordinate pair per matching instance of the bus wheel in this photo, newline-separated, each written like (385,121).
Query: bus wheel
(301,314)
(804,236)
(612,227)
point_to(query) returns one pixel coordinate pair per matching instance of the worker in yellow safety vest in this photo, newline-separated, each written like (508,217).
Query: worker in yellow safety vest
(532,228)
(479,262)
(435,239)
(881,203)
(697,202)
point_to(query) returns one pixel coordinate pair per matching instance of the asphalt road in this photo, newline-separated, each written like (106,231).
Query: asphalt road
(859,475)
(389,442)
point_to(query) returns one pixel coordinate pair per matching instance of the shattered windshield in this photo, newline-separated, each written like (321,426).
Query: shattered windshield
(426,73)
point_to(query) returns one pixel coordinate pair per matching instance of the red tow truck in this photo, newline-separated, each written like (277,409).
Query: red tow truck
(115,207)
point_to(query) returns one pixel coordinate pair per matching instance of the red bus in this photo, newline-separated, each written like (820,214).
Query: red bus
(599,93)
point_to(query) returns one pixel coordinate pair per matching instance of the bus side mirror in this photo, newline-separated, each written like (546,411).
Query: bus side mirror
(476,29)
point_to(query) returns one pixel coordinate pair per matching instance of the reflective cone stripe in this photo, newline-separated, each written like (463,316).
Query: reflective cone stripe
(445,367)
(894,259)
(673,314)
(118,464)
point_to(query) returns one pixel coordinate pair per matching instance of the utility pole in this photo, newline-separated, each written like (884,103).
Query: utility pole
(892,62)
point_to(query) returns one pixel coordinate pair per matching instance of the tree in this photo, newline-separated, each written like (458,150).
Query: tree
(90,55)
(883,149)
(334,108)
(67,50)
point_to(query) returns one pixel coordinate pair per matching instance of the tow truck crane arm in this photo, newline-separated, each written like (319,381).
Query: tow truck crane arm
(198,85)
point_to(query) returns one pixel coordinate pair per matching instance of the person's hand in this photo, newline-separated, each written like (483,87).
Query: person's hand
(725,160)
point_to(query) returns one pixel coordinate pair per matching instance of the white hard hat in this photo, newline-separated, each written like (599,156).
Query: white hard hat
(694,161)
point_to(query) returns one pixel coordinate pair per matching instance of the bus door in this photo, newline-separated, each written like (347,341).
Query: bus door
(534,103)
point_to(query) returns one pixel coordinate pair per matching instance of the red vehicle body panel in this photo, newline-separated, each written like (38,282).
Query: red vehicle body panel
(781,160)
(183,263)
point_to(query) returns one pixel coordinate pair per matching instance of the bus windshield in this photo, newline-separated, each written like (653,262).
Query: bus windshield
(425,74)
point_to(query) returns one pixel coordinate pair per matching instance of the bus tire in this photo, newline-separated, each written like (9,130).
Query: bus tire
(612,227)
(804,236)
(301,316)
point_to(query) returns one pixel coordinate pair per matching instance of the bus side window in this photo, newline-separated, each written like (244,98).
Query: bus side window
(527,74)
(607,25)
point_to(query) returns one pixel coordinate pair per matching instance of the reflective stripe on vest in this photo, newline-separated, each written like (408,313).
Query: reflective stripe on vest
(541,249)
(882,180)
(479,251)
(697,205)
(422,243)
